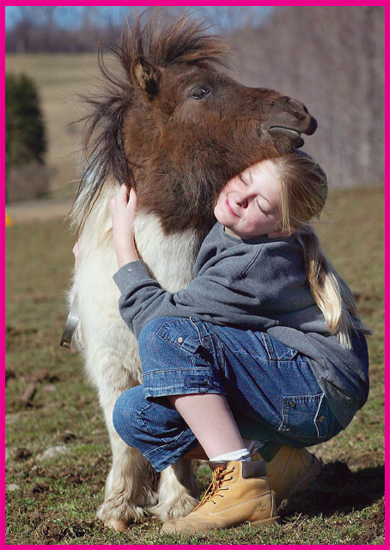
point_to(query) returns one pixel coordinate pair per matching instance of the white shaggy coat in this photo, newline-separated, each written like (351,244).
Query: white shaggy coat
(111,355)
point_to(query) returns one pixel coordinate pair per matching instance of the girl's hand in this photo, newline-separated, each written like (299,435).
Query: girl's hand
(123,210)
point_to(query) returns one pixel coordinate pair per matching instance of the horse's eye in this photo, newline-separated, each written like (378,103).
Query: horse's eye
(199,93)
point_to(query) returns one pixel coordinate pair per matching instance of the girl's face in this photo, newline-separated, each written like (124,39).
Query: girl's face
(250,205)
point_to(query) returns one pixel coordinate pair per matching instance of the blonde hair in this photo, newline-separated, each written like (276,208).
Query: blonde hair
(304,190)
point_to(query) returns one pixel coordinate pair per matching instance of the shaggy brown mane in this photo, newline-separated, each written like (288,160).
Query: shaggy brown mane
(180,42)
(183,41)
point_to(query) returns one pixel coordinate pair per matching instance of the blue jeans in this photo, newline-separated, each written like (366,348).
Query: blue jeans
(271,389)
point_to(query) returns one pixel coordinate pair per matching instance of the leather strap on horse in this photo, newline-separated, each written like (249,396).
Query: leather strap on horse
(71,324)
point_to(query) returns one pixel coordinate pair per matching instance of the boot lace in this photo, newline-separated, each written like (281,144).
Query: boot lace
(214,489)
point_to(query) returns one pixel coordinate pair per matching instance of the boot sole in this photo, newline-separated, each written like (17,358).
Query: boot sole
(303,483)
(268,521)
(260,522)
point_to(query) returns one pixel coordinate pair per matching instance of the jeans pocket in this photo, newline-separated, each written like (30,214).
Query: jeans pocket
(307,417)
(277,351)
(181,334)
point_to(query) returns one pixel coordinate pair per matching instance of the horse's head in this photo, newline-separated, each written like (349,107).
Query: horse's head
(180,129)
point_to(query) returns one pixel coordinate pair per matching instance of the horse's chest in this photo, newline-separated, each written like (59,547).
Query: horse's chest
(169,258)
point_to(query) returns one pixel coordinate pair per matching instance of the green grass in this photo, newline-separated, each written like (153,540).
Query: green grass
(57,499)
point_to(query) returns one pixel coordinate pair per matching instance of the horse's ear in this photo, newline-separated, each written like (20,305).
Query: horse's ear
(146,76)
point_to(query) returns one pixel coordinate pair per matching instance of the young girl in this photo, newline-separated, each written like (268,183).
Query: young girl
(265,344)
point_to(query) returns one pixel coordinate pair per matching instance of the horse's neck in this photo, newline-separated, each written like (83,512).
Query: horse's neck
(170,258)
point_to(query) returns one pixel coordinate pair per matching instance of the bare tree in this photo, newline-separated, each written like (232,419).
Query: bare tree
(26,23)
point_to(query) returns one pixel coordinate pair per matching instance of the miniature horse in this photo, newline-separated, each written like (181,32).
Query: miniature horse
(178,129)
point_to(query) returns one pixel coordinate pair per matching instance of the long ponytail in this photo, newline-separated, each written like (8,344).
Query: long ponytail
(329,290)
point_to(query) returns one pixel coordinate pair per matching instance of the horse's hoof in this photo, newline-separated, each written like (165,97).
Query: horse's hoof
(116,524)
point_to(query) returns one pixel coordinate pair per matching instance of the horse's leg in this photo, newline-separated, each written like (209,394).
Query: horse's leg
(127,486)
(177,492)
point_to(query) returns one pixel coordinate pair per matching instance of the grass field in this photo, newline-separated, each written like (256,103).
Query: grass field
(53,501)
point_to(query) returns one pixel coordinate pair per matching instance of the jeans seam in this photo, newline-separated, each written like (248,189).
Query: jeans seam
(205,337)
(221,359)
(191,367)
(316,416)
(193,323)
(162,392)
(267,344)
(165,444)
(144,423)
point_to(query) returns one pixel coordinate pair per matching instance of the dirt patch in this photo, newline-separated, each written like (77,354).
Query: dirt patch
(74,478)
(22,454)
(15,337)
(38,489)
(53,531)
(44,375)
(9,375)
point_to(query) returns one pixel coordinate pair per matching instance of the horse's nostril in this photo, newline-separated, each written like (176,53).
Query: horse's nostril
(297,106)
(302,114)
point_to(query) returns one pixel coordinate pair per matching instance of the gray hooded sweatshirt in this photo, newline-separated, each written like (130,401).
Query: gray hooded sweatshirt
(259,285)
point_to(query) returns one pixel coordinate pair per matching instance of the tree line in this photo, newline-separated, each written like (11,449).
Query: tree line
(61,29)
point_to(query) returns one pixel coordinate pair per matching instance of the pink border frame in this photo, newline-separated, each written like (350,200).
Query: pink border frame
(387,199)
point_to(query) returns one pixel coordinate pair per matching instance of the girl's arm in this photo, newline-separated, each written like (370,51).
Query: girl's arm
(123,210)
(219,295)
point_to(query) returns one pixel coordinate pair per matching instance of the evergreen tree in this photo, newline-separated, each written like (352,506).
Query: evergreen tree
(25,131)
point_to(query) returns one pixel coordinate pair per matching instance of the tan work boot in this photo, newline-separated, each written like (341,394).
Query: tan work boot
(290,470)
(238,493)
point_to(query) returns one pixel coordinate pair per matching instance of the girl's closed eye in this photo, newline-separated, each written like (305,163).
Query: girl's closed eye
(262,209)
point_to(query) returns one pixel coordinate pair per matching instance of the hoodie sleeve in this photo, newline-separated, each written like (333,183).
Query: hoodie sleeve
(219,296)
